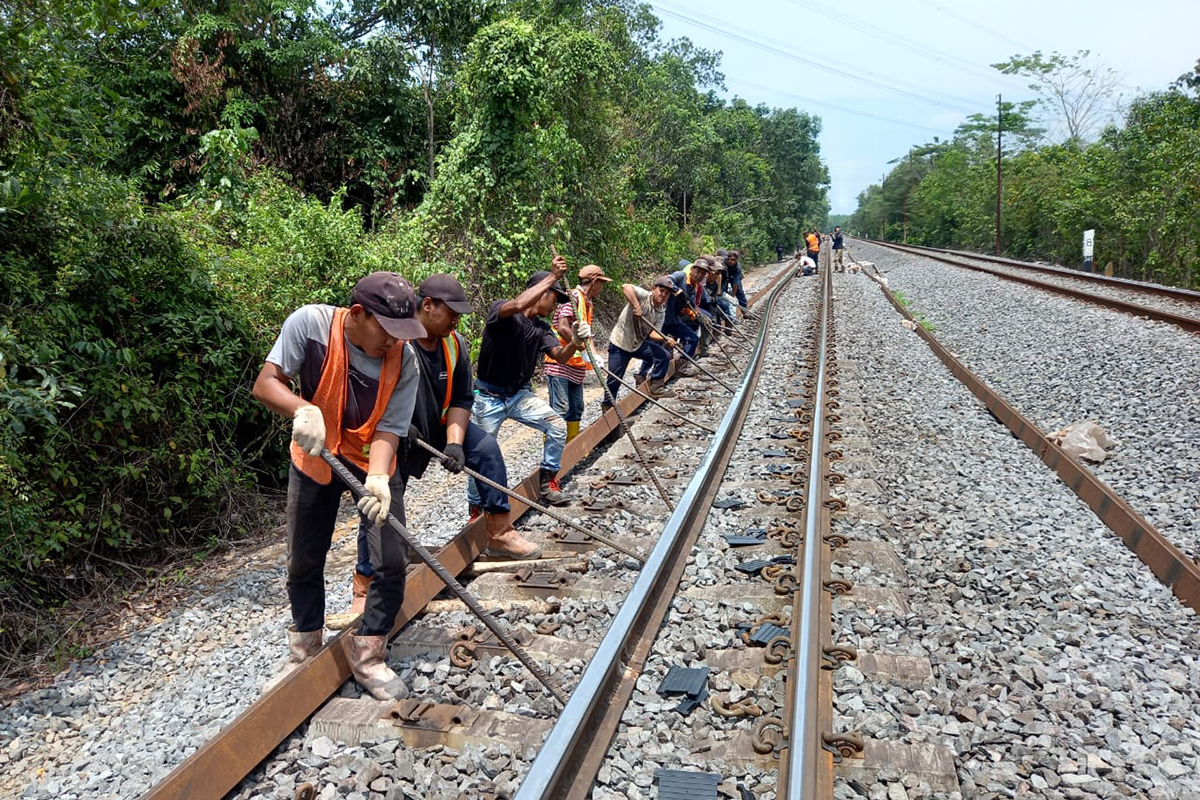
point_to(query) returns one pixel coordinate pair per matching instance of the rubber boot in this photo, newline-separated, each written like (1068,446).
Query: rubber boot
(368,662)
(658,388)
(504,541)
(301,647)
(572,430)
(358,604)
(684,369)
(552,493)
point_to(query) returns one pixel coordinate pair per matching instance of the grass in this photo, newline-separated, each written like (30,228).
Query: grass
(917,315)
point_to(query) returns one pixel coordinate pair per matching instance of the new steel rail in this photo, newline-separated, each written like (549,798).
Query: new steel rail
(1186,322)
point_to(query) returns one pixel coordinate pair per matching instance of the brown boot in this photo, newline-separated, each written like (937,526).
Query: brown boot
(301,647)
(358,604)
(368,662)
(504,541)
(658,388)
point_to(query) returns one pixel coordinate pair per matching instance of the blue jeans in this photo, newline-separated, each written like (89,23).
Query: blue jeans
(618,361)
(482,455)
(528,409)
(683,334)
(566,397)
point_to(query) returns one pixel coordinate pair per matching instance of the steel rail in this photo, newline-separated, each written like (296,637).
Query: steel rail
(1168,563)
(574,750)
(1173,292)
(807,763)
(1190,324)
(221,763)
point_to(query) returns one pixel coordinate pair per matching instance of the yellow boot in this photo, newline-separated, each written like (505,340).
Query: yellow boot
(572,430)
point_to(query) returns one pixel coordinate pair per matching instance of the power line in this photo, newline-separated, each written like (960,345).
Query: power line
(836,107)
(903,42)
(727,32)
(977,25)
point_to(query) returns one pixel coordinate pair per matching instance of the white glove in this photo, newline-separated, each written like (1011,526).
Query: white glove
(582,332)
(308,429)
(378,500)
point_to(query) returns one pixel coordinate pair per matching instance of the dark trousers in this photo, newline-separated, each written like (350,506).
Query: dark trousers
(738,291)
(482,455)
(813,254)
(311,513)
(618,361)
(684,335)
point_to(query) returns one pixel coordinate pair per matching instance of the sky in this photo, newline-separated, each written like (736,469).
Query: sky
(886,75)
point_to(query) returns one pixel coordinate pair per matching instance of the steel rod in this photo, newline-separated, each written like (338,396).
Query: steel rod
(668,409)
(358,490)
(535,506)
(692,360)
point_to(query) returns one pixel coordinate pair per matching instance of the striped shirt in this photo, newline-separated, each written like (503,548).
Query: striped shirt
(564,312)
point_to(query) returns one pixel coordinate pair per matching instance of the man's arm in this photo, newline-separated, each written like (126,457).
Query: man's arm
(528,298)
(565,316)
(628,289)
(273,389)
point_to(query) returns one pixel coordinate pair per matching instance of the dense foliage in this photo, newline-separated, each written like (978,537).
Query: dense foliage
(1137,185)
(177,175)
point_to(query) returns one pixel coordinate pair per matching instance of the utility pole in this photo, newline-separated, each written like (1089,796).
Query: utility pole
(999,129)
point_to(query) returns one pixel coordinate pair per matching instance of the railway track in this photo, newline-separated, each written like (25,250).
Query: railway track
(799,572)
(620,643)
(1164,303)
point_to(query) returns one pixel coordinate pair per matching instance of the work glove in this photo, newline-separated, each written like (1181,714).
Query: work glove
(376,503)
(581,332)
(308,429)
(453,458)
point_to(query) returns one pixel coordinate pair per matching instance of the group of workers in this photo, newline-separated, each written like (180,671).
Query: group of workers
(386,385)
(808,262)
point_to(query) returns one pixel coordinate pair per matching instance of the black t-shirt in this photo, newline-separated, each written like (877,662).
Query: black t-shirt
(512,347)
(431,393)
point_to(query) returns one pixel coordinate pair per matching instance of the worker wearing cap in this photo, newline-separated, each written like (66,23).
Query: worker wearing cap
(514,337)
(358,382)
(722,308)
(630,339)
(699,301)
(678,315)
(812,243)
(565,381)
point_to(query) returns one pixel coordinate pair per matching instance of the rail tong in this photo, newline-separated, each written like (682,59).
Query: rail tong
(357,489)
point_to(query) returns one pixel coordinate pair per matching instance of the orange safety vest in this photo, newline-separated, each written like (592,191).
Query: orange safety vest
(814,243)
(450,351)
(330,397)
(587,307)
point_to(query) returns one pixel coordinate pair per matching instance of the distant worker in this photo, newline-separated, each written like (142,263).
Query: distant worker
(358,382)
(565,381)
(513,337)
(779,253)
(837,247)
(812,243)
(733,278)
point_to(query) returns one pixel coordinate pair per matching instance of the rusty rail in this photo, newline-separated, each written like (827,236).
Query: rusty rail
(1189,324)
(1168,563)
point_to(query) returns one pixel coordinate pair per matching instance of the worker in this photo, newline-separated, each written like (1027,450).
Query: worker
(733,277)
(514,337)
(813,246)
(722,307)
(630,339)
(700,302)
(358,383)
(679,318)
(565,381)
(837,247)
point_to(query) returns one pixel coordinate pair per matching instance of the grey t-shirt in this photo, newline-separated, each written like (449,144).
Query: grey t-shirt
(628,334)
(300,351)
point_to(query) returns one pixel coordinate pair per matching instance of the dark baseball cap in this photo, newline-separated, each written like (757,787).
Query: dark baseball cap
(391,299)
(665,282)
(540,276)
(447,289)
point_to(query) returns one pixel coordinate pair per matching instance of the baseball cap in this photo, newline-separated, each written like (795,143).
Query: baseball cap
(391,299)
(445,288)
(540,276)
(666,283)
(592,272)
